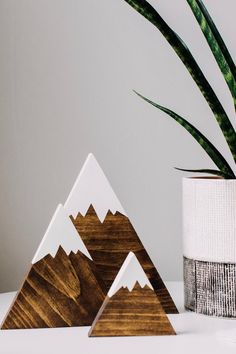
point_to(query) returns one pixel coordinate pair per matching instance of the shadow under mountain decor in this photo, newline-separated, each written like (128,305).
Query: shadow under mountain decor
(63,287)
(131,307)
(106,230)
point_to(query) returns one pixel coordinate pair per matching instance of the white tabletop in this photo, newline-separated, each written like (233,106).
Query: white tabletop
(196,334)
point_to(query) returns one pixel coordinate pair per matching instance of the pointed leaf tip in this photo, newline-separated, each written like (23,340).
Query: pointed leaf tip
(183,52)
(209,148)
(208,171)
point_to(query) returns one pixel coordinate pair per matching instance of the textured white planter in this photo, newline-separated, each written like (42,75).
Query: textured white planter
(209,245)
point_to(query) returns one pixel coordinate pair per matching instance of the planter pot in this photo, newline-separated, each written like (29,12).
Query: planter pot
(209,245)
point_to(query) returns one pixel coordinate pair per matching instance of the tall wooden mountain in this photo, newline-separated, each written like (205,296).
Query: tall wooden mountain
(131,307)
(106,230)
(63,287)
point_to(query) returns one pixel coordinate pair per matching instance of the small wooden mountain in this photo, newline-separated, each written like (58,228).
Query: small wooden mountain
(110,241)
(63,287)
(58,292)
(131,307)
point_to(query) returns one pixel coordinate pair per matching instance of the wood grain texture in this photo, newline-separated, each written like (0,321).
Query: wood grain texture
(109,244)
(58,292)
(131,313)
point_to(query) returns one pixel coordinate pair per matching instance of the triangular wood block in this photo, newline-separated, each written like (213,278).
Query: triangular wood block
(131,307)
(63,287)
(107,231)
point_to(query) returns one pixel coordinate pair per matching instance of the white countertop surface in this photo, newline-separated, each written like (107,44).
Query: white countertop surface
(196,334)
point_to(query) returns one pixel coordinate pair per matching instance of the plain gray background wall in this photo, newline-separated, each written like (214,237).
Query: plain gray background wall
(67,70)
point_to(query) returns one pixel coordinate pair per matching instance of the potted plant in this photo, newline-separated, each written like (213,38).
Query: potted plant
(209,203)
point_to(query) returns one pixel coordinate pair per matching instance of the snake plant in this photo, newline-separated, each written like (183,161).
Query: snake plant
(226,66)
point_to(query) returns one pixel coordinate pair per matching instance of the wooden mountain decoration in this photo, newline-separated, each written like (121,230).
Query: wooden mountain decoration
(63,287)
(131,307)
(107,231)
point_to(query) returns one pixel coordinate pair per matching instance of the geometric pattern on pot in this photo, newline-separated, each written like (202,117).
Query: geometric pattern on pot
(210,288)
(63,287)
(209,219)
(106,229)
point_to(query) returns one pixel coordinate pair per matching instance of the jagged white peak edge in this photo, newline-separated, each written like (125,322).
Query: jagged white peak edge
(60,232)
(92,187)
(130,273)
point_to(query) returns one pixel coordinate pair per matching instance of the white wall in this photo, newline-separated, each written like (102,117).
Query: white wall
(67,68)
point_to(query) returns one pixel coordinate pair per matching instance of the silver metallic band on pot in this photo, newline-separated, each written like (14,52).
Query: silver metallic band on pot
(210,287)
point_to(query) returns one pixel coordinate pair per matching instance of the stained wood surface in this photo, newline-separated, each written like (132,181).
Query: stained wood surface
(131,313)
(58,292)
(109,244)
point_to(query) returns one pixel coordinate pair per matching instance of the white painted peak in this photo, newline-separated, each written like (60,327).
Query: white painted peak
(92,187)
(130,273)
(60,232)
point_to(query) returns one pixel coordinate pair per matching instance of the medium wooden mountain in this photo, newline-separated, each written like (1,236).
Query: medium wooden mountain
(131,307)
(106,230)
(62,289)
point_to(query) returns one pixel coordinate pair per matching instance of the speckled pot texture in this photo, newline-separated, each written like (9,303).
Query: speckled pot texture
(209,246)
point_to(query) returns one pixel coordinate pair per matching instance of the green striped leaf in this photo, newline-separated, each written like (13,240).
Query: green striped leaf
(208,171)
(146,10)
(216,44)
(209,148)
